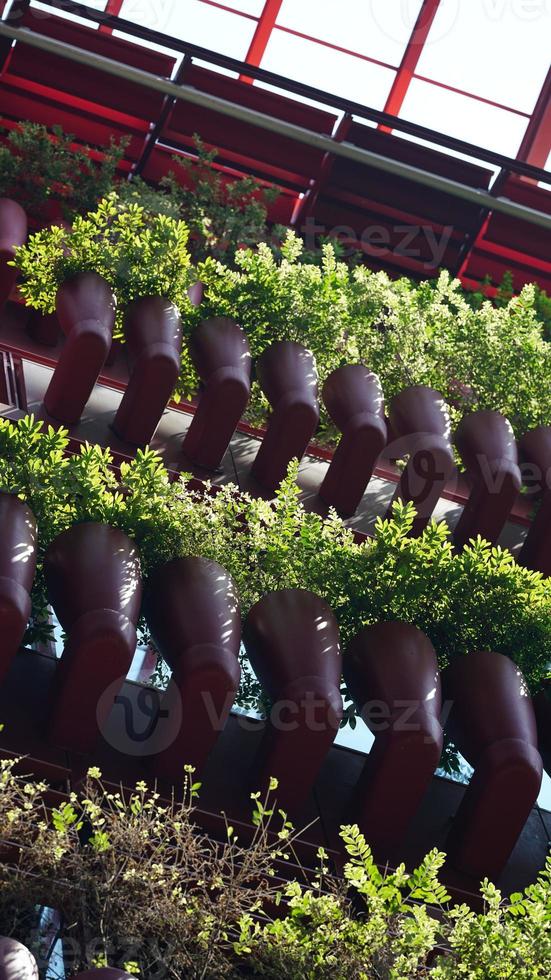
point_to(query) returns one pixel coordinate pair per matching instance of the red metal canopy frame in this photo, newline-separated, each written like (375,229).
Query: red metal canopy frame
(322,188)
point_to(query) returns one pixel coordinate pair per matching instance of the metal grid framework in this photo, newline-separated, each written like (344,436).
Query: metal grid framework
(536,144)
(318,186)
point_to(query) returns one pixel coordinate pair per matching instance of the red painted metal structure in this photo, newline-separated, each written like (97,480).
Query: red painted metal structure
(411,57)
(113,7)
(154,345)
(91,102)
(536,144)
(332,191)
(262,34)
(220,353)
(486,443)
(94,584)
(493,724)
(354,398)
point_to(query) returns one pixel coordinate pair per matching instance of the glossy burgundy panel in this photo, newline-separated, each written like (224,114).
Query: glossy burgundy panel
(13,232)
(354,399)
(16,961)
(487,446)
(18,542)
(220,352)
(94,584)
(85,308)
(192,610)
(492,723)
(287,375)
(154,345)
(292,640)
(535,451)
(420,423)
(392,675)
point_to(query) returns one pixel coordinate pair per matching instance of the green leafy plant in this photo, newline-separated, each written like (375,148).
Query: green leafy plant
(542,302)
(134,877)
(427,333)
(42,169)
(224,213)
(139,254)
(543,310)
(283,299)
(479,599)
(479,354)
(139,885)
(505,293)
(389,932)
(510,940)
(154,200)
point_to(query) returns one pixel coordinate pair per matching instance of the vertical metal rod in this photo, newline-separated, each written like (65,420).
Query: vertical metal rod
(168,106)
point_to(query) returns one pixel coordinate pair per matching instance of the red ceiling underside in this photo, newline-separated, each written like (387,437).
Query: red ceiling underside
(91,105)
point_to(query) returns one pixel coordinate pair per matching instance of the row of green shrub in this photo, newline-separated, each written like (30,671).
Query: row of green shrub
(409,334)
(138,885)
(479,599)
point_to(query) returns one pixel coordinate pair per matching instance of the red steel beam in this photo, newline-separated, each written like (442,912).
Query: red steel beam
(536,144)
(410,59)
(259,43)
(534,149)
(113,7)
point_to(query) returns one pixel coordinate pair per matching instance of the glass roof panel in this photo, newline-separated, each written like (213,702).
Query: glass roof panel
(465,118)
(192,20)
(377,28)
(498,49)
(254,7)
(325,68)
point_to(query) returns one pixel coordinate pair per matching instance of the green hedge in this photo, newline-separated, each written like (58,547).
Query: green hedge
(408,333)
(477,355)
(477,600)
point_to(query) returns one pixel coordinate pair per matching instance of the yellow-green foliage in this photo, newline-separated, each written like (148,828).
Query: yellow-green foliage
(480,599)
